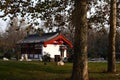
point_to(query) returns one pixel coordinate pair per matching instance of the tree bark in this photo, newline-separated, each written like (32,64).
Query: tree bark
(80,63)
(112,36)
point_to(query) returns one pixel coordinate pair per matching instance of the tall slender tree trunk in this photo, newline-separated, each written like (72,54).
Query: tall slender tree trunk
(80,64)
(112,36)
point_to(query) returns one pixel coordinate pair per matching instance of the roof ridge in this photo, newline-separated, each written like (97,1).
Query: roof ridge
(53,36)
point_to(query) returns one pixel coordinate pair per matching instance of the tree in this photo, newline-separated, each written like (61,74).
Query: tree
(52,13)
(13,34)
(97,43)
(112,37)
(80,63)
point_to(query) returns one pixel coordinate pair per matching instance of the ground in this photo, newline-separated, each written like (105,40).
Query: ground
(17,70)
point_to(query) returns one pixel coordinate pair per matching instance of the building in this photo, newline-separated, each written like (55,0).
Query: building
(35,46)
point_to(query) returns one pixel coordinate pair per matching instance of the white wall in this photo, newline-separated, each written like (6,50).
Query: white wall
(52,50)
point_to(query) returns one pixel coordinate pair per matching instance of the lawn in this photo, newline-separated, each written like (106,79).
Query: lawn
(16,70)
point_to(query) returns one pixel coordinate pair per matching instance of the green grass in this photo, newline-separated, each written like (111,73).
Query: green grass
(97,71)
(16,70)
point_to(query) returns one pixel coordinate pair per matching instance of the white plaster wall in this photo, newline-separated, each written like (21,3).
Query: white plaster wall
(65,53)
(52,50)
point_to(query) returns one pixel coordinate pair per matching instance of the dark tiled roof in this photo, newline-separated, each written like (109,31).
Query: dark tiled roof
(36,38)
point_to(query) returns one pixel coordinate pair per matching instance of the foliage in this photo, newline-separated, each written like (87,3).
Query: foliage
(53,13)
(99,13)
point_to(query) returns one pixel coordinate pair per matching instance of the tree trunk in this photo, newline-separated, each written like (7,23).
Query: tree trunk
(80,64)
(112,36)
